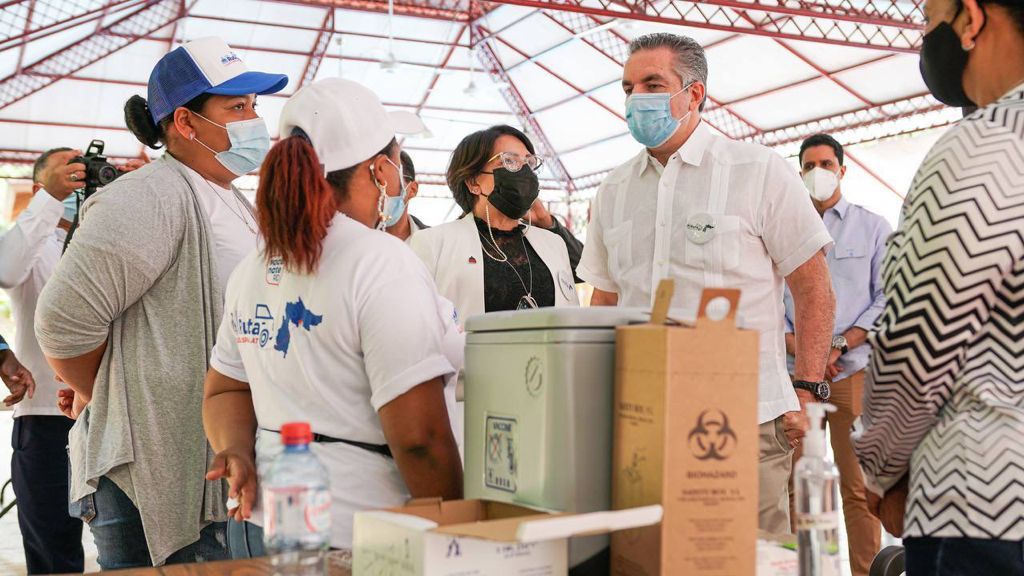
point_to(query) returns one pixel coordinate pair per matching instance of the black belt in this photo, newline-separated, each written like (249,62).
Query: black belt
(382,449)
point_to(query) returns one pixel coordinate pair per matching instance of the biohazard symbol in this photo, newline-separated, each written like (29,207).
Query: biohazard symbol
(712,438)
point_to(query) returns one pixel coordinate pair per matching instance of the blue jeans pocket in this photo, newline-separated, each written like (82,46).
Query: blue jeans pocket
(83,509)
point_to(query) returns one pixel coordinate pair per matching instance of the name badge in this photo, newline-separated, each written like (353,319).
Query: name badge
(700,228)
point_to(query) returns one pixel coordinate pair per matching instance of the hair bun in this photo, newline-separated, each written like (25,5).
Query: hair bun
(140,122)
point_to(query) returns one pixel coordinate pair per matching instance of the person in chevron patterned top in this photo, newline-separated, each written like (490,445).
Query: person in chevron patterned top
(941,437)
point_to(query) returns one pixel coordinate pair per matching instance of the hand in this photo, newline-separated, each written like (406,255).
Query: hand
(832,370)
(796,424)
(133,164)
(16,377)
(890,508)
(66,403)
(539,215)
(61,179)
(69,403)
(240,471)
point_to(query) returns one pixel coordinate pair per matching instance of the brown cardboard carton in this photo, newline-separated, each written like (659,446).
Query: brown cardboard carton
(476,538)
(686,437)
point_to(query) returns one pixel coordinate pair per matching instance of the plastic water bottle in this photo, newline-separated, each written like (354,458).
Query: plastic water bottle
(297,506)
(816,483)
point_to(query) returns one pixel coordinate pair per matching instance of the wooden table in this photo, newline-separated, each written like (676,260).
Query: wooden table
(254,567)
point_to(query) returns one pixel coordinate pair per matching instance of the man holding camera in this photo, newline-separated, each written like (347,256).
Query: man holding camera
(29,252)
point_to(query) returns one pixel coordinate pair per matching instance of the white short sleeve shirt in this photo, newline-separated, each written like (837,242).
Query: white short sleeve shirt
(334,347)
(720,214)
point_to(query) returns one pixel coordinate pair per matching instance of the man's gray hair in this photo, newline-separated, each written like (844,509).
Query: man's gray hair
(690,64)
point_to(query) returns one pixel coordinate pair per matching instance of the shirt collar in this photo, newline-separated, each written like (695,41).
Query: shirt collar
(1014,94)
(841,207)
(691,152)
(644,160)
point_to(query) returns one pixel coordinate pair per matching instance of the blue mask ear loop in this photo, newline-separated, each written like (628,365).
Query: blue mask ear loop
(401,179)
(684,89)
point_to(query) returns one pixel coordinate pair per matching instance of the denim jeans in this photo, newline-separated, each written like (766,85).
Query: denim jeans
(120,540)
(245,540)
(963,557)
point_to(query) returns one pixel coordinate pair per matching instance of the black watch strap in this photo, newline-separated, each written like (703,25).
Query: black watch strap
(821,390)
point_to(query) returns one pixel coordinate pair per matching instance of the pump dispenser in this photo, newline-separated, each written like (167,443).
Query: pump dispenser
(816,481)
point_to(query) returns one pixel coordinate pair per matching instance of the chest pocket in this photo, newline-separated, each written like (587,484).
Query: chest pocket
(722,252)
(851,263)
(619,243)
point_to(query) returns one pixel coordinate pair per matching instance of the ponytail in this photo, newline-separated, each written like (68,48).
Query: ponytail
(294,204)
(139,120)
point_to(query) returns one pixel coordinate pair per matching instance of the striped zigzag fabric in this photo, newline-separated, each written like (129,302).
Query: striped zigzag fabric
(945,393)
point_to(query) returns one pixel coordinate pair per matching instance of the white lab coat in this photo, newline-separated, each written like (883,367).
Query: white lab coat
(454,257)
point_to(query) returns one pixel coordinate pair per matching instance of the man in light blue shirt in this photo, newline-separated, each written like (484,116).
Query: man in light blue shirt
(855,264)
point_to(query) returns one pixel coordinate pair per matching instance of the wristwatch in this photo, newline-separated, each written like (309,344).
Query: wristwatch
(821,390)
(839,343)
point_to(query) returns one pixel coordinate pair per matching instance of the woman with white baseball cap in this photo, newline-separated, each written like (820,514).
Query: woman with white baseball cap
(129,318)
(334,321)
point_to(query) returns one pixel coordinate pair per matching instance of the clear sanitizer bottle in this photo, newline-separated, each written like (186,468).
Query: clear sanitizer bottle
(816,482)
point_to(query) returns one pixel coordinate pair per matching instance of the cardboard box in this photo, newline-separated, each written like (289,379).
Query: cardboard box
(476,537)
(686,437)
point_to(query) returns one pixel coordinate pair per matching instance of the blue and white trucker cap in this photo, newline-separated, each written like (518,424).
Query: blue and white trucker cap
(204,65)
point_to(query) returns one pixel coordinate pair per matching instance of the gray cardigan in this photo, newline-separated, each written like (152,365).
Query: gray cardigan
(139,274)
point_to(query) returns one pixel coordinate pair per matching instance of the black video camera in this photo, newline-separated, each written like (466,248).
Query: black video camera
(98,172)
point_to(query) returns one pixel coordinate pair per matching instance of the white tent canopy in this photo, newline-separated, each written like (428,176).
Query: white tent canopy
(430,59)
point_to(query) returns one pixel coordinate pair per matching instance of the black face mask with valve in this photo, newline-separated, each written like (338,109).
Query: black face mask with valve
(943,61)
(514,192)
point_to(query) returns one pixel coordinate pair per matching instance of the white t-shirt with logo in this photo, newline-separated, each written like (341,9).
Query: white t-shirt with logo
(331,349)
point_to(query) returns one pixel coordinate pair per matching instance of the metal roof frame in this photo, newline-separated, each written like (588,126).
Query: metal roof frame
(890,26)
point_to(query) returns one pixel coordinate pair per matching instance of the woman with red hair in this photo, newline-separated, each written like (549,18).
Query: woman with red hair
(333,322)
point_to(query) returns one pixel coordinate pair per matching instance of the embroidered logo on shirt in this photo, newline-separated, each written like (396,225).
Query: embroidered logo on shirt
(295,314)
(566,284)
(472,260)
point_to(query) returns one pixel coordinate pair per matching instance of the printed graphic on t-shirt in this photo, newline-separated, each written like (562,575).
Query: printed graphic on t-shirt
(295,314)
(274,270)
(253,330)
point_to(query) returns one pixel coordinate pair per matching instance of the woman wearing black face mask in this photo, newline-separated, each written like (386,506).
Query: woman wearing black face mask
(490,260)
(943,418)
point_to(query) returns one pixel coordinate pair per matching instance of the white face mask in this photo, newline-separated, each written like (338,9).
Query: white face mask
(821,183)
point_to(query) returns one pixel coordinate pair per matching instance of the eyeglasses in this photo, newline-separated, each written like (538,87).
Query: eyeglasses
(514,162)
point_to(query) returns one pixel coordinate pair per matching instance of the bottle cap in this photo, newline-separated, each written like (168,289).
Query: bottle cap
(294,433)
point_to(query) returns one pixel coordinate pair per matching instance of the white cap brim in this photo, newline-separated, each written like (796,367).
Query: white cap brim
(407,123)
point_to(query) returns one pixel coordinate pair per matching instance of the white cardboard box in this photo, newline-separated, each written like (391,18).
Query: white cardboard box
(477,537)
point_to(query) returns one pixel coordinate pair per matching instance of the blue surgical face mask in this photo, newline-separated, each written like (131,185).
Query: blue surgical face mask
(250,143)
(649,117)
(71,207)
(392,207)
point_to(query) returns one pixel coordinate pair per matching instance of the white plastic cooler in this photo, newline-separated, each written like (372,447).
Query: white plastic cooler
(538,410)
